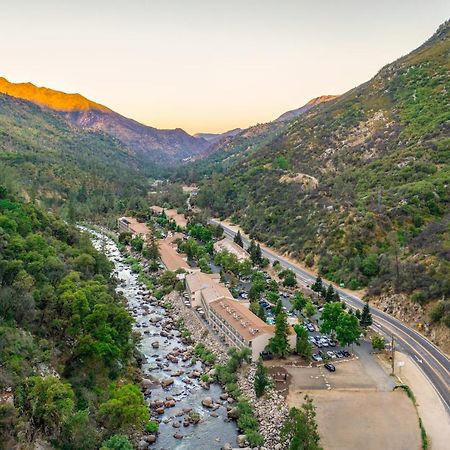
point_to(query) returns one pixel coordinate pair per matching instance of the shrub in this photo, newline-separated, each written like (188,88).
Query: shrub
(117,442)
(152,426)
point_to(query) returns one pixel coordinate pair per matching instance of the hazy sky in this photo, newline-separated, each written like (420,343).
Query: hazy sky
(208,65)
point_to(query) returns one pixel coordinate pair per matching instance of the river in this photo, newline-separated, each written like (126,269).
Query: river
(213,429)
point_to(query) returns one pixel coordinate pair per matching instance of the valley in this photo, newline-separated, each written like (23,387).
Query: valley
(279,286)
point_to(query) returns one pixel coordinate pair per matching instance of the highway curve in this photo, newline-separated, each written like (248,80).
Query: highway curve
(434,364)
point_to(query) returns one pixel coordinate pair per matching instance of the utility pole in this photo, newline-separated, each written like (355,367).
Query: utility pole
(392,356)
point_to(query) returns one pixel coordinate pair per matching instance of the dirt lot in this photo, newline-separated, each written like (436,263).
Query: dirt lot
(356,407)
(366,420)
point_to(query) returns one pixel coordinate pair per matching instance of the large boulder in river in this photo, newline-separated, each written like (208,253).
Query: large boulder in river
(155,344)
(207,402)
(233,413)
(166,382)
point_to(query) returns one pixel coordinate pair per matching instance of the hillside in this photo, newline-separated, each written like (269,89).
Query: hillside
(147,143)
(357,187)
(82,173)
(289,115)
(66,343)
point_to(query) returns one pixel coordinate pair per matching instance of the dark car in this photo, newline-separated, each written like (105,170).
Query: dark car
(330,367)
(346,353)
(266,355)
(339,354)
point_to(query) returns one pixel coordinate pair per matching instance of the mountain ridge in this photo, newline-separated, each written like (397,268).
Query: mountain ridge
(151,144)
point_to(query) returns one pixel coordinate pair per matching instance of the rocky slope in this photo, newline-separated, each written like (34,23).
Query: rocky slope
(289,115)
(358,187)
(148,143)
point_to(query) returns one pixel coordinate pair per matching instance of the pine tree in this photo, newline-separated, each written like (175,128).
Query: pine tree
(329,296)
(366,316)
(258,254)
(317,286)
(279,344)
(238,239)
(261,379)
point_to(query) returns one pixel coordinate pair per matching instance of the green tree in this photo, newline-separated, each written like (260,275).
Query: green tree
(347,329)
(137,243)
(168,279)
(117,442)
(47,402)
(299,431)
(330,294)
(302,346)
(261,379)
(317,286)
(124,410)
(330,316)
(238,239)
(309,309)
(366,316)
(151,250)
(258,310)
(378,342)
(279,344)
(298,302)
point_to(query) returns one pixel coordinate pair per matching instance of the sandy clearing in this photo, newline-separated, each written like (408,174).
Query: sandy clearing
(369,420)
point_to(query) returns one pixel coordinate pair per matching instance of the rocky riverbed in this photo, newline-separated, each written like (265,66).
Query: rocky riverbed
(191,413)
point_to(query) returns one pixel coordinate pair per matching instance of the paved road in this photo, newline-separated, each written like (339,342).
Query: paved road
(433,363)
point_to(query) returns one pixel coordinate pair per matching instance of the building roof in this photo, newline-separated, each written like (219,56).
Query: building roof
(232,247)
(240,318)
(171,258)
(135,226)
(214,292)
(179,219)
(199,280)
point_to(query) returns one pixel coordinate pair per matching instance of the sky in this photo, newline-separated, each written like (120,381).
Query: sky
(208,65)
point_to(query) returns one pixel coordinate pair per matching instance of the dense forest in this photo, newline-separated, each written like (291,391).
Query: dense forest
(357,187)
(66,344)
(80,174)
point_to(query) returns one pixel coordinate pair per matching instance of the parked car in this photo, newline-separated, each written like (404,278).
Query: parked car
(310,327)
(316,357)
(332,343)
(266,355)
(339,354)
(330,367)
(331,354)
(346,353)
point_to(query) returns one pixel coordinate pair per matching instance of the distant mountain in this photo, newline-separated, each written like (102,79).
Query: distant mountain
(83,172)
(148,143)
(358,187)
(215,137)
(289,115)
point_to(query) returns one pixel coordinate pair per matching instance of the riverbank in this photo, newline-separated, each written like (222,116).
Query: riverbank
(171,382)
(270,410)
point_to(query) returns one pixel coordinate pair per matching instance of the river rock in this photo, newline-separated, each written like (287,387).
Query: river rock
(233,413)
(155,344)
(178,436)
(151,438)
(241,440)
(207,402)
(167,382)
